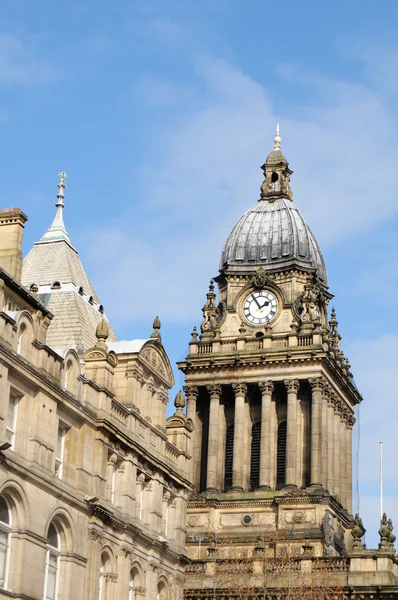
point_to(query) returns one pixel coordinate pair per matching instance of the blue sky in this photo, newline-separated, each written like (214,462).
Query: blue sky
(161,113)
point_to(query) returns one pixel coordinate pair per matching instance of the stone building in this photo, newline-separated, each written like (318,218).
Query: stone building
(103,498)
(92,493)
(272,397)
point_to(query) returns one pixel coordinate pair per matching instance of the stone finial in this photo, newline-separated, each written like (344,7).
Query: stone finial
(277,138)
(102,334)
(357,532)
(386,535)
(391,535)
(194,335)
(334,335)
(156,326)
(179,402)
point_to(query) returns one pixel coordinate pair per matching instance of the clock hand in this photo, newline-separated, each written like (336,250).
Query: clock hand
(266,303)
(256,301)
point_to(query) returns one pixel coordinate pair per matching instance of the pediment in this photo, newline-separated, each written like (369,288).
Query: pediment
(156,359)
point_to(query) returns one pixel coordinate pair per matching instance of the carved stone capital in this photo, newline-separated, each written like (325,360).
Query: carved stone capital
(240,389)
(191,392)
(292,385)
(214,391)
(111,577)
(351,421)
(266,387)
(96,534)
(317,384)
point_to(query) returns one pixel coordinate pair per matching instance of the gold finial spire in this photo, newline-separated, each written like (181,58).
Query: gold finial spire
(277,138)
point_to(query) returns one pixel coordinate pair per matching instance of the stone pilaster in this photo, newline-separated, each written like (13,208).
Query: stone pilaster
(343,458)
(292,386)
(240,390)
(349,426)
(266,388)
(316,408)
(336,448)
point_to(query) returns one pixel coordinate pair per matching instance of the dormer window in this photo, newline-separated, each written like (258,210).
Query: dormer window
(101,309)
(56,285)
(34,288)
(81,291)
(91,300)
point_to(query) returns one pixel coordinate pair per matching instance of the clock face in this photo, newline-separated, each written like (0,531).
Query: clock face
(260,307)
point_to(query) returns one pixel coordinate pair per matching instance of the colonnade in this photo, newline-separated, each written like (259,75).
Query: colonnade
(329,447)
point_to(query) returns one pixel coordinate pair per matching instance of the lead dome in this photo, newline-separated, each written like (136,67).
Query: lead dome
(273,233)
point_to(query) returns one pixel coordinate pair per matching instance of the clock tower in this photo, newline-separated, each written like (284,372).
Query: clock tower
(269,390)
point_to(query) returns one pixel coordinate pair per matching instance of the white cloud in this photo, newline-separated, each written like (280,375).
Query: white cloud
(19,66)
(202,171)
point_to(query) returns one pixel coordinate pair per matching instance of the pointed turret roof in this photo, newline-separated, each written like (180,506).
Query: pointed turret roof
(53,265)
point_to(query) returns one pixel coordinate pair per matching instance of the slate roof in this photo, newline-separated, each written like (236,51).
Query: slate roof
(75,305)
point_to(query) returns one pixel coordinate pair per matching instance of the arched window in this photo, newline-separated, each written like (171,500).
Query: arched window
(56,285)
(5,539)
(281,456)
(134,582)
(21,338)
(229,453)
(131,586)
(255,457)
(51,572)
(104,569)
(162,591)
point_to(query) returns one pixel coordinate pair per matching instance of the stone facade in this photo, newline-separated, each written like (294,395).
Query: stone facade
(92,493)
(246,494)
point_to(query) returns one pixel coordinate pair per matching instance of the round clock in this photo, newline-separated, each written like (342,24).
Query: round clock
(260,307)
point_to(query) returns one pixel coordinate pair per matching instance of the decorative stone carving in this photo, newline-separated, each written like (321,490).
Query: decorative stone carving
(316,384)
(292,385)
(240,388)
(191,391)
(95,534)
(214,390)
(261,278)
(193,521)
(266,387)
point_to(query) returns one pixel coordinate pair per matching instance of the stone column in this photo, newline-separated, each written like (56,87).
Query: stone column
(191,393)
(214,434)
(343,458)
(336,448)
(350,424)
(240,390)
(330,411)
(316,407)
(292,386)
(266,388)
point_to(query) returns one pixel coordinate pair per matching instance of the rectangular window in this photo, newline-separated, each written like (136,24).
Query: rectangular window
(4,541)
(51,576)
(113,482)
(59,451)
(11,419)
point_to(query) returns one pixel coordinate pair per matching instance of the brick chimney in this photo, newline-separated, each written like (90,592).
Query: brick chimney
(12,222)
